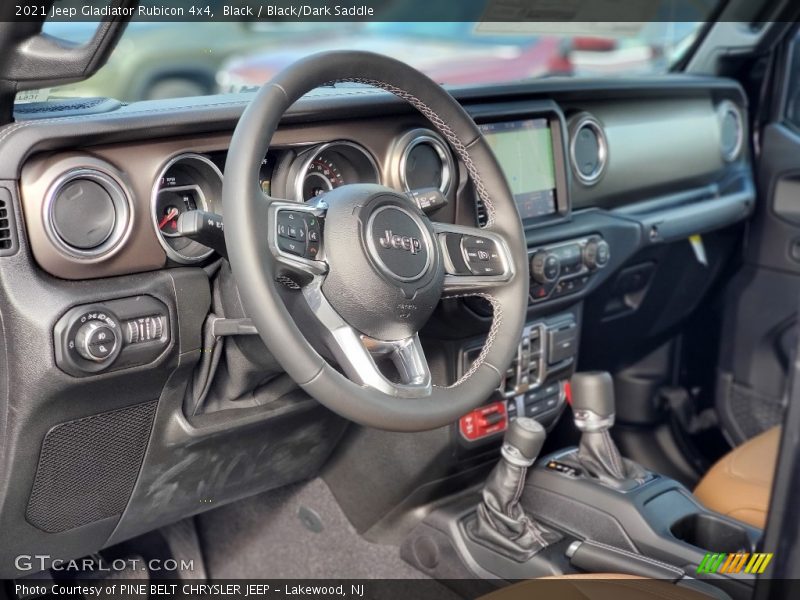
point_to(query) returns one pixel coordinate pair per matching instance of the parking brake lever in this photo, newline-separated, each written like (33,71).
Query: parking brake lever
(205,228)
(594,557)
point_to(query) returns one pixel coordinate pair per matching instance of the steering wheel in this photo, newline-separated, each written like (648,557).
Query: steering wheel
(367,264)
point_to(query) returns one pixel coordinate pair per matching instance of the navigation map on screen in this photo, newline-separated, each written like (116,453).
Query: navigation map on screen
(524,150)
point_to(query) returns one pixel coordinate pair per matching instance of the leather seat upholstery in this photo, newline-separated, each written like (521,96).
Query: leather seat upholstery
(740,483)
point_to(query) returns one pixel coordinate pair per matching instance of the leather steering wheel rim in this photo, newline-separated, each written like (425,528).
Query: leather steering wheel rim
(248,217)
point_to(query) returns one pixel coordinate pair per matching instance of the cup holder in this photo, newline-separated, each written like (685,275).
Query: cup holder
(712,533)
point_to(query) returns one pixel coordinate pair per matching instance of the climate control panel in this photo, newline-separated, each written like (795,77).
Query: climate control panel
(566,268)
(111,335)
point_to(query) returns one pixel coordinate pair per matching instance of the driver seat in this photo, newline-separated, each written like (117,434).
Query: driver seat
(600,586)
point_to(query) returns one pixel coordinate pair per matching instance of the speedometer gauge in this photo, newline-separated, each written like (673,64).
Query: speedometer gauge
(319,169)
(322,176)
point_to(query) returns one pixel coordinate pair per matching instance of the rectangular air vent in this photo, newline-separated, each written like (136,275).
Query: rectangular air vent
(8,237)
(480,212)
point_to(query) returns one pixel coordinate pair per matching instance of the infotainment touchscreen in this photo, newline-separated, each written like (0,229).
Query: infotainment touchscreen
(524,150)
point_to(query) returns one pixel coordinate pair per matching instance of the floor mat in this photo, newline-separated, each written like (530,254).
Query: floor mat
(298,532)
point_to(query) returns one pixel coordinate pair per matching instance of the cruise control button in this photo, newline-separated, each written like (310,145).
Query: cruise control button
(481,256)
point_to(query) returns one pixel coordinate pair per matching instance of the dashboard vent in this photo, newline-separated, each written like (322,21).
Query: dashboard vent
(87,213)
(8,242)
(588,148)
(731,125)
(480,212)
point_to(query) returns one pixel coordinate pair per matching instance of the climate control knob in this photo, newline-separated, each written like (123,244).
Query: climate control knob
(545,267)
(596,254)
(96,341)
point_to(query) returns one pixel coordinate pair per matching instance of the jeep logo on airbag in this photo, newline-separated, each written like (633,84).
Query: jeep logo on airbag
(401,242)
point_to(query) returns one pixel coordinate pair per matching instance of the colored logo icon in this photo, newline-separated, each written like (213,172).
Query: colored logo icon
(731,564)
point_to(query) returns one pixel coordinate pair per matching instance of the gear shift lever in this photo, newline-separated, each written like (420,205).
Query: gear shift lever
(593,401)
(593,412)
(501,521)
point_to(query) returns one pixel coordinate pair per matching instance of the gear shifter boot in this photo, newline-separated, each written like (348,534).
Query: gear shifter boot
(599,457)
(593,409)
(501,521)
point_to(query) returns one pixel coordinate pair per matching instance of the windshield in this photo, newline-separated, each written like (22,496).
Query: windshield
(156,60)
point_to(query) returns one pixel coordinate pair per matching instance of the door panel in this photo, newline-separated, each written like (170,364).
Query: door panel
(759,333)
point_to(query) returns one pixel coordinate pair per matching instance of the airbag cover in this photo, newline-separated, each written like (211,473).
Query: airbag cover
(386,272)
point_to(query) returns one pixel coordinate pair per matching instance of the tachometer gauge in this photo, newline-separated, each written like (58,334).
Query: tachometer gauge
(322,176)
(187,182)
(172,202)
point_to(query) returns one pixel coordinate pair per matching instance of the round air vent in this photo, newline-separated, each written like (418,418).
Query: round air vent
(588,148)
(424,161)
(731,130)
(87,213)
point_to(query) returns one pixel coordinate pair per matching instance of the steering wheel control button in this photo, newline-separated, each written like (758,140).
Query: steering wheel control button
(298,234)
(291,246)
(95,340)
(398,243)
(481,256)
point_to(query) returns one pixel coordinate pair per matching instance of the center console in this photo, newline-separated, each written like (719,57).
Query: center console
(581,510)
(534,385)
(531,147)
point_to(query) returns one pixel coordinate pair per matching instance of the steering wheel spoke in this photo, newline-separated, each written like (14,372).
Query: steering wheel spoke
(295,238)
(475,260)
(361,357)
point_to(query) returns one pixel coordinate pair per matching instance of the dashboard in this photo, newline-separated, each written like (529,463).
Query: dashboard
(557,158)
(610,179)
(188,175)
